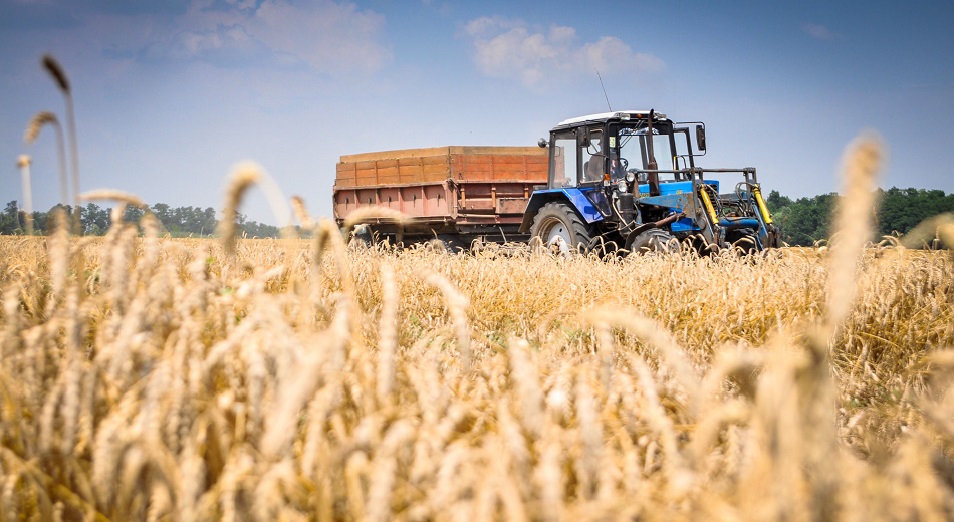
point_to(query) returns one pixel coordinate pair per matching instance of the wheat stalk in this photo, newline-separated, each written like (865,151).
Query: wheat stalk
(242,177)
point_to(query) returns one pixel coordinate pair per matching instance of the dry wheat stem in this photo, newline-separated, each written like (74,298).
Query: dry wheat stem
(33,132)
(243,176)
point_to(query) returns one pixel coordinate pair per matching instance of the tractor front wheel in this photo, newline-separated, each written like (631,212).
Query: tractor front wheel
(559,227)
(653,240)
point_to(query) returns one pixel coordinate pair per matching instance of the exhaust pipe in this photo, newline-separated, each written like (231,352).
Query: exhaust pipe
(653,166)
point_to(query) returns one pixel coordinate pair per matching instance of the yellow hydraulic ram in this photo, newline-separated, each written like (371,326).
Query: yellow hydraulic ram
(761,203)
(707,204)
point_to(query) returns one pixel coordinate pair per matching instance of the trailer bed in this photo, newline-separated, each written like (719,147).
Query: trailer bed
(443,190)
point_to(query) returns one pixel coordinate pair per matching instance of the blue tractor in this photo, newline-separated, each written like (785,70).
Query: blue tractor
(606,190)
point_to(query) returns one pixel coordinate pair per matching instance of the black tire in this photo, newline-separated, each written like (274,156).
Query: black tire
(603,248)
(746,244)
(654,240)
(775,237)
(362,236)
(446,243)
(556,223)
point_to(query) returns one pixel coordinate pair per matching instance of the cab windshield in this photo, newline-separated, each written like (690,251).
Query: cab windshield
(634,149)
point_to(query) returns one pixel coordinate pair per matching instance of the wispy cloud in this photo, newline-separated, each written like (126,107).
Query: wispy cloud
(224,46)
(821,32)
(329,37)
(505,48)
(22,15)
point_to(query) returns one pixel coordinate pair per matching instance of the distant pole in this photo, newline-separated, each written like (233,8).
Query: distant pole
(24,163)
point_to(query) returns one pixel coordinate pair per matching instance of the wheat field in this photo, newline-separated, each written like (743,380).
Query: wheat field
(149,378)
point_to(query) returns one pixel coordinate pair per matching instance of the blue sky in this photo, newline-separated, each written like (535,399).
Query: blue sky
(170,95)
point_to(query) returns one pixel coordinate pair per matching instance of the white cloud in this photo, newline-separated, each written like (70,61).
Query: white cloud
(330,37)
(506,48)
(224,46)
(820,32)
(242,4)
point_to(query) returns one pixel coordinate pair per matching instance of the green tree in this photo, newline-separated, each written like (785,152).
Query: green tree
(208,222)
(40,222)
(256,229)
(164,214)
(94,220)
(776,201)
(195,221)
(133,215)
(903,209)
(806,220)
(10,220)
(67,210)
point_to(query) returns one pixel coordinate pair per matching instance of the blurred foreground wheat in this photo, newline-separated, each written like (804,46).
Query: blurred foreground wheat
(158,379)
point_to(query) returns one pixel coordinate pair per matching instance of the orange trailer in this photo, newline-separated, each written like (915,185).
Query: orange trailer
(447,192)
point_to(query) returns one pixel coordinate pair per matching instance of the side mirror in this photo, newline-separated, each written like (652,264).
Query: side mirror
(701,138)
(542,143)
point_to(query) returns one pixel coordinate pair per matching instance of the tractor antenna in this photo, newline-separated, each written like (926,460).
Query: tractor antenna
(604,90)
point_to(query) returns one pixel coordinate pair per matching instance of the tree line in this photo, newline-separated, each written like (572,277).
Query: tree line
(95,220)
(803,221)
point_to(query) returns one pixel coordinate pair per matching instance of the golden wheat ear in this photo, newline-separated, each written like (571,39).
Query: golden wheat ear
(852,223)
(457,304)
(932,233)
(301,213)
(123,199)
(33,132)
(387,339)
(36,123)
(59,76)
(242,177)
(56,71)
(368,213)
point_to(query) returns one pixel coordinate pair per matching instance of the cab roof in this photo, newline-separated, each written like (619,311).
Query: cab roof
(604,116)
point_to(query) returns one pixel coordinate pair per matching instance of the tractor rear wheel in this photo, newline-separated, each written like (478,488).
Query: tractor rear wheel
(653,240)
(558,226)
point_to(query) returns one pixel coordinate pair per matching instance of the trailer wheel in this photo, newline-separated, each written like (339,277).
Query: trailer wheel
(653,240)
(362,236)
(559,227)
(445,243)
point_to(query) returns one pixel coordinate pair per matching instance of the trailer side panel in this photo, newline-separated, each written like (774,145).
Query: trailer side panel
(442,188)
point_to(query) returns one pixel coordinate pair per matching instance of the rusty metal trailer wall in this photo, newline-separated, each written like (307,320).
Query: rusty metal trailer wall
(447,185)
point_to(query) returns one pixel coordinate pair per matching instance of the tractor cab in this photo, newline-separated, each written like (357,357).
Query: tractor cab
(605,147)
(621,174)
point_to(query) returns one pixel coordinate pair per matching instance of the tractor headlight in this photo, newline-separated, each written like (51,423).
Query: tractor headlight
(621,186)
(630,176)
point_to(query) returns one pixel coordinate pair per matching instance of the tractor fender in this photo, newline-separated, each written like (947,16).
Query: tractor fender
(571,197)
